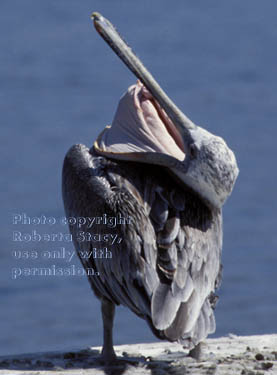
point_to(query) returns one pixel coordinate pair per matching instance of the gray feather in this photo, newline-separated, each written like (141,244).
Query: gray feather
(164,307)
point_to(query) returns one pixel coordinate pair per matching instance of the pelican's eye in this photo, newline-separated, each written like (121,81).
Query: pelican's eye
(193,151)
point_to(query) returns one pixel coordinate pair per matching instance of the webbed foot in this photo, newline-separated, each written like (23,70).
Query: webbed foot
(197,351)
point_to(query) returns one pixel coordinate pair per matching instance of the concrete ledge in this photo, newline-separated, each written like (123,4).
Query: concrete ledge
(245,355)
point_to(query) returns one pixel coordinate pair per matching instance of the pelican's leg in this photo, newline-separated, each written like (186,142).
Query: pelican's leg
(108,310)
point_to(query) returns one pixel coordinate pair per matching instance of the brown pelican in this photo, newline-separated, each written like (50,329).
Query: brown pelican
(164,180)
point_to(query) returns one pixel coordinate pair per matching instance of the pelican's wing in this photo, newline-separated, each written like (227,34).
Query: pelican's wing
(189,243)
(129,276)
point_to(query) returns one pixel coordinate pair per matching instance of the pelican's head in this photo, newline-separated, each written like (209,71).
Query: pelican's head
(148,127)
(142,131)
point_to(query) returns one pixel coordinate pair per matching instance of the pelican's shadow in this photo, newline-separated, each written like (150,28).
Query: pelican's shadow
(90,359)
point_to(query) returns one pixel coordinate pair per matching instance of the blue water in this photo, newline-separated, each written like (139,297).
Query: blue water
(60,85)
